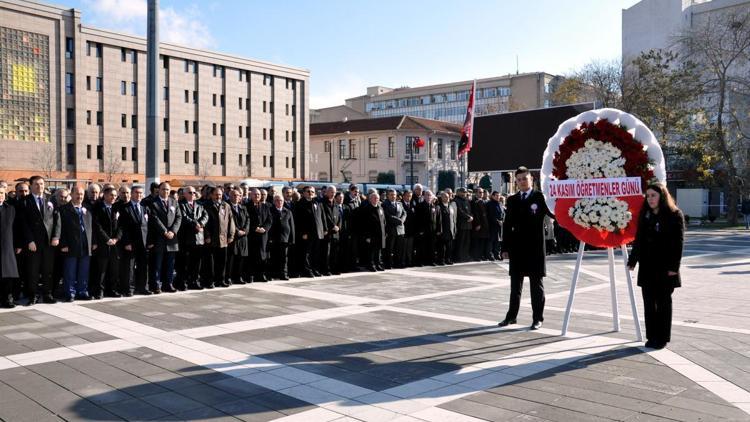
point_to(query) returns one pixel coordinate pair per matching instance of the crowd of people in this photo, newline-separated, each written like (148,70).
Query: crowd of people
(104,240)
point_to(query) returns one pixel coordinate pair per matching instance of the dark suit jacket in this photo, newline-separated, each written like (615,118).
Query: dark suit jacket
(410,223)
(523,234)
(427,217)
(331,219)
(134,227)
(106,227)
(395,216)
(463,208)
(495,217)
(8,241)
(191,217)
(308,219)
(70,235)
(241,216)
(371,223)
(39,227)
(259,216)
(658,248)
(282,226)
(162,220)
(479,226)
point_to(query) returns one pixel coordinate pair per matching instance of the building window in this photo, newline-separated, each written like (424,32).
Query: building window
(166,93)
(440,149)
(265,163)
(239,160)
(372,146)
(134,56)
(221,100)
(88,151)
(287,136)
(342,149)
(214,158)
(134,121)
(195,157)
(270,134)
(123,88)
(391,147)
(100,152)
(195,127)
(98,50)
(88,83)
(453,150)
(123,120)
(88,117)
(247,103)
(88,51)
(134,89)
(70,118)
(264,134)
(124,153)
(222,160)
(99,118)
(267,80)
(123,54)
(213,101)
(372,175)
(294,110)
(213,129)
(221,129)
(134,154)
(352,149)
(287,161)
(327,146)
(218,71)
(264,107)
(187,126)
(166,155)
(240,130)
(69,83)
(69,48)
(240,103)
(287,109)
(195,97)
(165,62)
(294,136)
(165,124)
(187,157)
(270,107)
(187,96)
(70,154)
(247,159)
(247,132)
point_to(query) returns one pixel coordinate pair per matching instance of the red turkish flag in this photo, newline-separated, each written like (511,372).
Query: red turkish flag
(467,131)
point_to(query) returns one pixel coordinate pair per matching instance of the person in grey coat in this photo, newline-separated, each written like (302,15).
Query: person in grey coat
(395,217)
(194,219)
(164,224)
(8,250)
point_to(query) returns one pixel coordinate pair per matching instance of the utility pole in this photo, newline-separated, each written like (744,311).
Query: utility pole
(152,94)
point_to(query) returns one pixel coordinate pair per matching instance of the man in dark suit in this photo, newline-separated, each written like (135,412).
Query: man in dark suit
(308,220)
(134,255)
(41,235)
(218,234)
(410,228)
(194,219)
(495,218)
(332,225)
(280,236)
(238,249)
(164,224)
(17,202)
(464,221)
(371,223)
(76,244)
(395,216)
(9,248)
(259,216)
(447,229)
(480,232)
(107,233)
(523,244)
(349,238)
(428,223)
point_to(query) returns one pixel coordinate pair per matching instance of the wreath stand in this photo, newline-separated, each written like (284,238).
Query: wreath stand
(613,291)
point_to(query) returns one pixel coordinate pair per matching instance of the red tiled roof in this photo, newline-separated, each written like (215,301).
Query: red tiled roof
(383,123)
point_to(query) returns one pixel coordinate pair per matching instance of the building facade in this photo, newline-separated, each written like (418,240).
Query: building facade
(73,105)
(447,102)
(359,150)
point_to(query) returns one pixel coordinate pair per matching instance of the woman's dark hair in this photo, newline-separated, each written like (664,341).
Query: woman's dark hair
(666,202)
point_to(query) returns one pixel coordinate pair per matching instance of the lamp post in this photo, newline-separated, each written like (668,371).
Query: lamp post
(415,143)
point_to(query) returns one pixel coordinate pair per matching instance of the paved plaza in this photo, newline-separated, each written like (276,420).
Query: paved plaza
(405,345)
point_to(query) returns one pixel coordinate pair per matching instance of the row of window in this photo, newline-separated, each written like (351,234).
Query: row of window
(348,148)
(438,98)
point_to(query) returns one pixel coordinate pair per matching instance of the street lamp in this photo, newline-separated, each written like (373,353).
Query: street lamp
(416,143)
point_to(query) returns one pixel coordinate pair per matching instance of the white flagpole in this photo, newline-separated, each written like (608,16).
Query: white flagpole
(465,163)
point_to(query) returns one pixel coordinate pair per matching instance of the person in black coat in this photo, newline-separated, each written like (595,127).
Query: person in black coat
(464,220)
(524,245)
(259,216)
(350,241)
(308,221)
(194,219)
(371,224)
(164,224)
(395,217)
(329,254)
(447,230)
(238,249)
(76,244)
(17,202)
(429,227)
(495,218)
(41,225)
(107,234)
(9,248)
(657,250)
(407,258)
(480,232)
(280,236)
(134,253)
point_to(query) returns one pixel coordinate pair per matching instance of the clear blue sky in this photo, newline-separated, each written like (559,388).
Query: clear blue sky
(351,44)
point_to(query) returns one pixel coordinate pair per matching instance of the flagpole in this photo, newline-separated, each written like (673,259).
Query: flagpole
(471,137)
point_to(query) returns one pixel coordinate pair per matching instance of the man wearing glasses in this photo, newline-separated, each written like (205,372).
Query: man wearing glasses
(308,218)
(194,219)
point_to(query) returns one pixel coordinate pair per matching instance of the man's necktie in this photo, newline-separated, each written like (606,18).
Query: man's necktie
(40,204)
(523,196)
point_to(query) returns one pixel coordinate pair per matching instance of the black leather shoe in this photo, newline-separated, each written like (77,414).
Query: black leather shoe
(143,292)
(156,292)
(240,282)
(8,305)
(262,278)
(209,286)
(97,296)
(70,299)
(195,286)
(83,297)
(536,325)
(112,294)
(49,299)
(372,269)
(32,301)
(127,294)
(379,268)
(168,289)
(181,287)
(316,274)
(283,277)
(222,284)
(506,322)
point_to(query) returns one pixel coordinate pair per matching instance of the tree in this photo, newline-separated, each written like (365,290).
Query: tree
(204,169)
(46,160)
(720,45)
(386,178)
(112,164)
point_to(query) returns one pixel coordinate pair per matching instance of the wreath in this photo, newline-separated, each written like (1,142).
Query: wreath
(599,144)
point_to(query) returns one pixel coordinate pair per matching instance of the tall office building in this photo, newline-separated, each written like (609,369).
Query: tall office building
(73,104)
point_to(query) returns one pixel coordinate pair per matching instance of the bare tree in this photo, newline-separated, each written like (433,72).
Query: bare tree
(204,169)
(720,45)
(46,160)
(112,164)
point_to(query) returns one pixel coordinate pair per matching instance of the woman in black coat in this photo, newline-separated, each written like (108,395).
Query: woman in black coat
(658,250)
